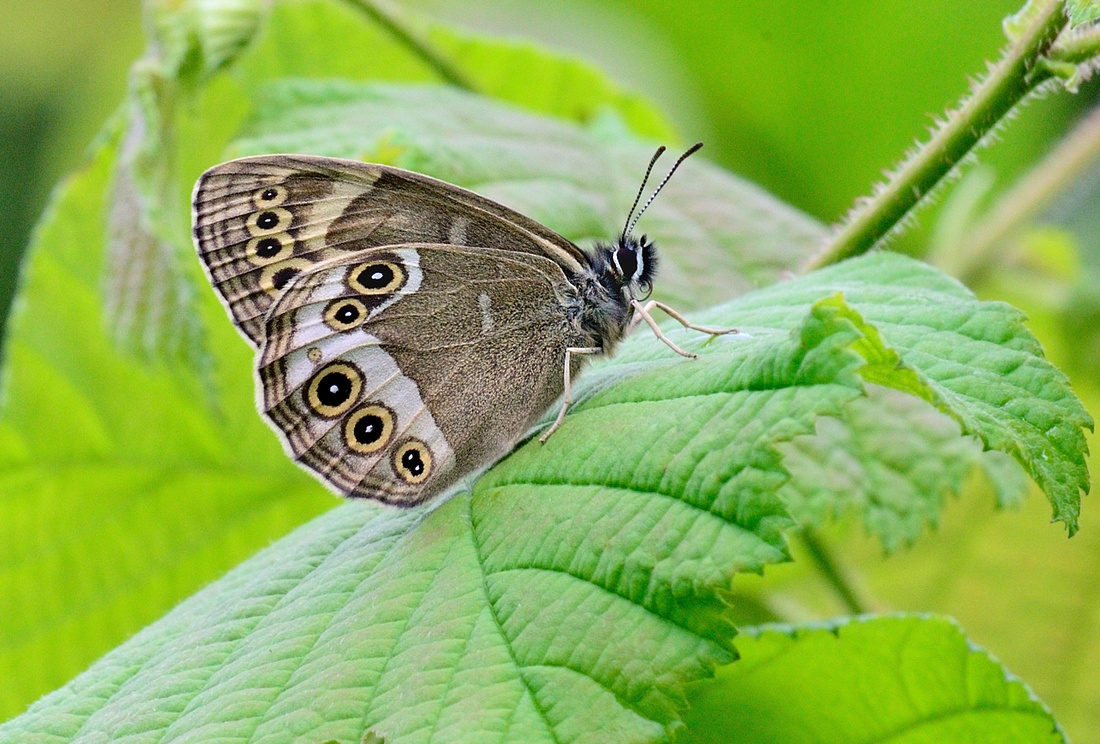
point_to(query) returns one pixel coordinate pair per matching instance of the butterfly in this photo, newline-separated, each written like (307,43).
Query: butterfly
(407,331)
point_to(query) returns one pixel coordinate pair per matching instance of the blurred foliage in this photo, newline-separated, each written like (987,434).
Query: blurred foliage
(811,100)
(59,81)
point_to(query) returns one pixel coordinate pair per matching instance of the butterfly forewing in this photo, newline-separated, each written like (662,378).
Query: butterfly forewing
(260,221)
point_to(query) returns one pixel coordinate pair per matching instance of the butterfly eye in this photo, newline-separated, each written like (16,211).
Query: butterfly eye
(626,258)
(345,314)
(368,429)
(413,461)
(377,277)
(268,221)
(334,389)
(269,196)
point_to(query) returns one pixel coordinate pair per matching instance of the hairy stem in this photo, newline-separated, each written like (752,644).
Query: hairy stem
(831,572)
(1008,82)
(381,13)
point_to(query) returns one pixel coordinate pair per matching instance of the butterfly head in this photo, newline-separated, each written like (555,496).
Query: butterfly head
(632,262)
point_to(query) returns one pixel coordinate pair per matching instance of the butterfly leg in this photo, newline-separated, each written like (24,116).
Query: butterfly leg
(643,312)
(567,398)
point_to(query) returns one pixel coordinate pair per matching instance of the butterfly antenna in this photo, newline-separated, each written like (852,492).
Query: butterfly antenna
(631,223)
(645,180)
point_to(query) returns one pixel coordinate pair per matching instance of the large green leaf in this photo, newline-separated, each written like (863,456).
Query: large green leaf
(859,464)
(579,585)
(981,367)
(175,476)
(896,679)
(129,485)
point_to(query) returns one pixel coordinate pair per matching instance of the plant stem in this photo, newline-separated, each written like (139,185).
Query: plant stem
(974,255)
(1008,82)
(1077,47)
(830,569)
(381,13)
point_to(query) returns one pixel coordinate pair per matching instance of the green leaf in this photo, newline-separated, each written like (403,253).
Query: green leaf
(892,459)
(388,621)
(980,366)
(324,39)
(196,38)
(540,80)
(148,296)
(544,612)
(577,588)
(1082,11)
(175,455)
(899,679)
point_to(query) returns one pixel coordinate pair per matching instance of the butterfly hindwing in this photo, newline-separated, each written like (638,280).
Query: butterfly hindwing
(391,372)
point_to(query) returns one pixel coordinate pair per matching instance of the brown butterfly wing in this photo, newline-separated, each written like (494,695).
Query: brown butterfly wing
(391,373)
(260,221)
